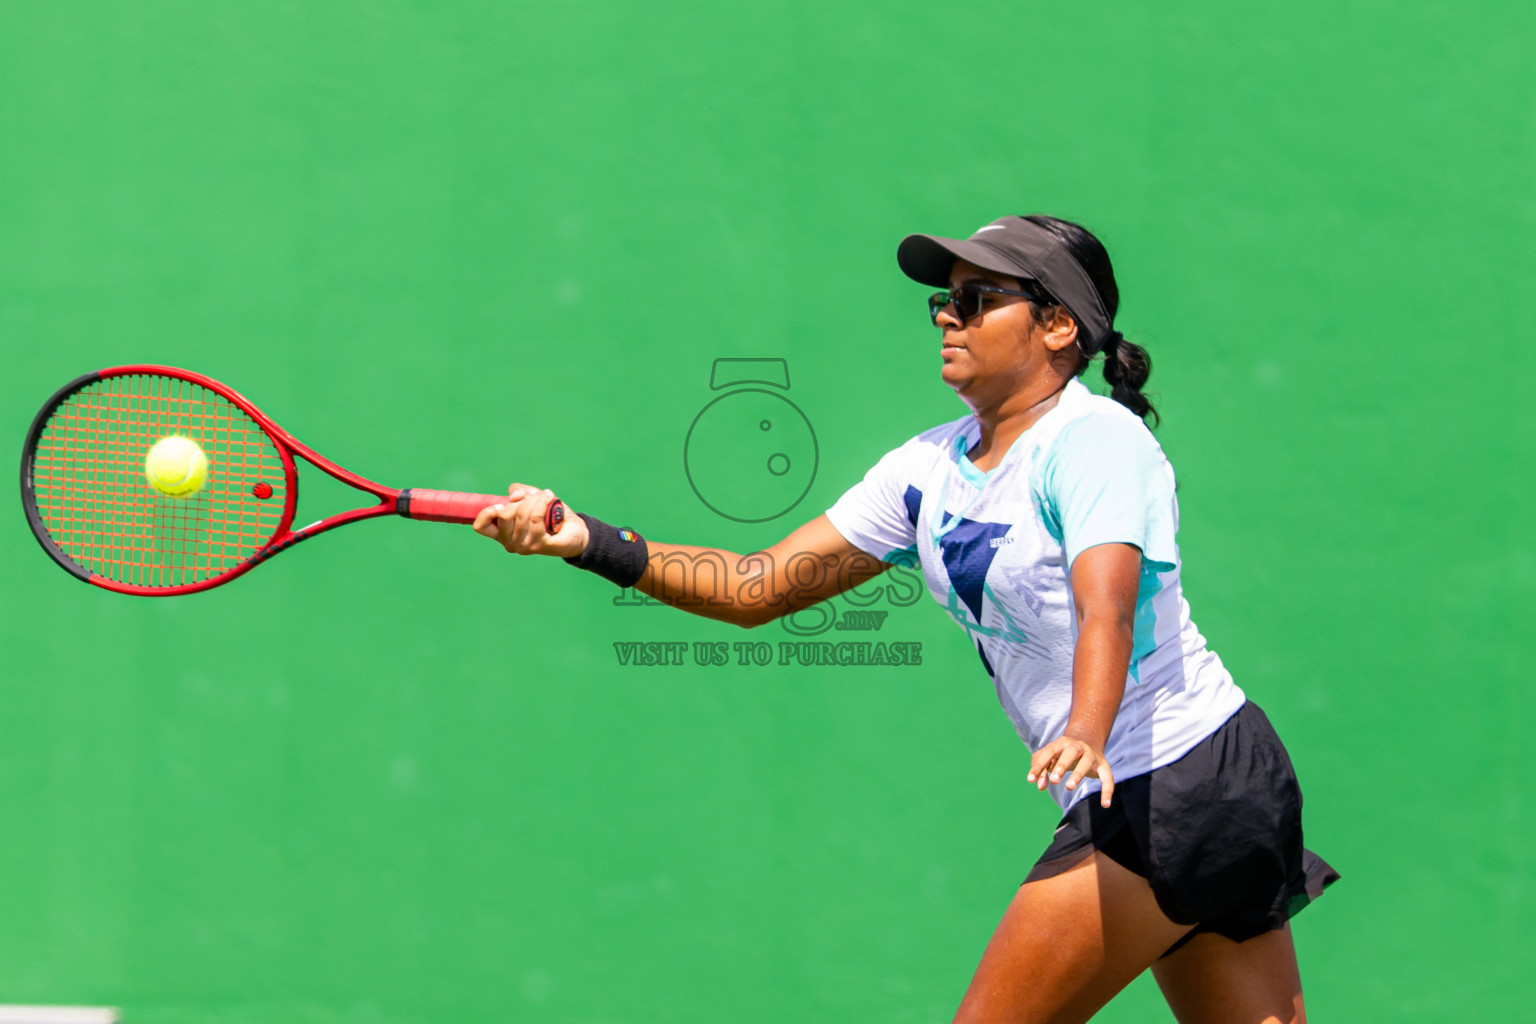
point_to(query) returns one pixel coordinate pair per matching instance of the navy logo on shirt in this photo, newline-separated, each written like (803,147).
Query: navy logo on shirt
(967,549)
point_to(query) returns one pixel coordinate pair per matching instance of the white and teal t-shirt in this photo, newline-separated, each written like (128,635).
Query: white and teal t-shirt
(996,549)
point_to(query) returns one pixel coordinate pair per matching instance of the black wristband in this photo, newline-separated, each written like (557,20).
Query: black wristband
(615,554)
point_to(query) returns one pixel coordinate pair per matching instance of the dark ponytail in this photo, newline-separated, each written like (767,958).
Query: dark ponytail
(1126,369)
(1126,366)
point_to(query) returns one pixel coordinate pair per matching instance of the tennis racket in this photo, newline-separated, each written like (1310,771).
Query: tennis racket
(92,508)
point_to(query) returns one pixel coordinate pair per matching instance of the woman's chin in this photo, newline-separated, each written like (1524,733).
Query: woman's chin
(953,375)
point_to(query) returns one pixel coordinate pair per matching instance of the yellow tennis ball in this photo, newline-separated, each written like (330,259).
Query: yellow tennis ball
(176,467)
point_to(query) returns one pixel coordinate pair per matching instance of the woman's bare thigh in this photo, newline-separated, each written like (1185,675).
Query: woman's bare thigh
(1213,980)
(1066,945)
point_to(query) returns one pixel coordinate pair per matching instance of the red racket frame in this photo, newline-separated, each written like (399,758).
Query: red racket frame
(410,502)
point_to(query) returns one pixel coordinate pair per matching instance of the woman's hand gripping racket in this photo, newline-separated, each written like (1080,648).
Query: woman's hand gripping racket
(115,515)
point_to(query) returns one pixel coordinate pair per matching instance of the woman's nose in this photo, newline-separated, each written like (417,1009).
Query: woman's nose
(946,317)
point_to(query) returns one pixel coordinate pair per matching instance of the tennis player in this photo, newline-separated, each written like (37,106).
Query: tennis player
(1044,521)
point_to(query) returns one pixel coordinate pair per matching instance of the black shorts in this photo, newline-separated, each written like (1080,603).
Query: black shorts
(1217,833)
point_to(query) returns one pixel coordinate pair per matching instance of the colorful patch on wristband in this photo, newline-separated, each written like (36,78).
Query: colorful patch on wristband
(629,536)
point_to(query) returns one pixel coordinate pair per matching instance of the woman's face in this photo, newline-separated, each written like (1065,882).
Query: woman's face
(998,352)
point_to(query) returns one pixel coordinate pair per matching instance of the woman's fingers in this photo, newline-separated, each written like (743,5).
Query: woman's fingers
(1073,760)
(1047,759)
(531,515)
(486,523)
(538,506)
(1085,766)
(530,524)
(500,522)
(518,524)
(1077,754)
(1040,763)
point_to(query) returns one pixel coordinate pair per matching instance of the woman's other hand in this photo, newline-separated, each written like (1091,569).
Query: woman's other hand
(1074,760)
(517,524)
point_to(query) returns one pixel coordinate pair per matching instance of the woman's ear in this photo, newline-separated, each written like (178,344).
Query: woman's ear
(1060,330)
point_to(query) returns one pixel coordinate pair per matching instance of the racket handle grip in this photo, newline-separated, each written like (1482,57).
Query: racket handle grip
(460,507)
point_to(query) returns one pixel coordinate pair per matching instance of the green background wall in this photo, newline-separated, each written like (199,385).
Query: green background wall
(397,776)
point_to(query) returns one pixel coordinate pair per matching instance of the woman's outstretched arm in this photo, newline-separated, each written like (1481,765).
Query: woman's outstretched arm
(813,563)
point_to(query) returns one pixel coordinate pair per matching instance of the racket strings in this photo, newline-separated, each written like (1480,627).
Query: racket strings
(99,508)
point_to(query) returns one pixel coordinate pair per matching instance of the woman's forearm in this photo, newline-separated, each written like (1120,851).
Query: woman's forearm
(814,563)
(1104,586)
(711,582)
(751,589)
(1099,667)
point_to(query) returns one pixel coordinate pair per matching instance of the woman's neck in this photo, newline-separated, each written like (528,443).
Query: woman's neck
(1004,423)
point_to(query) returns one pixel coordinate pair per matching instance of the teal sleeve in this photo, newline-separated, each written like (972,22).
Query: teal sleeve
(1106,481)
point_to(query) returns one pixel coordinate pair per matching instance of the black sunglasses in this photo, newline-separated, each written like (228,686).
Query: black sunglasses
(968,299)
